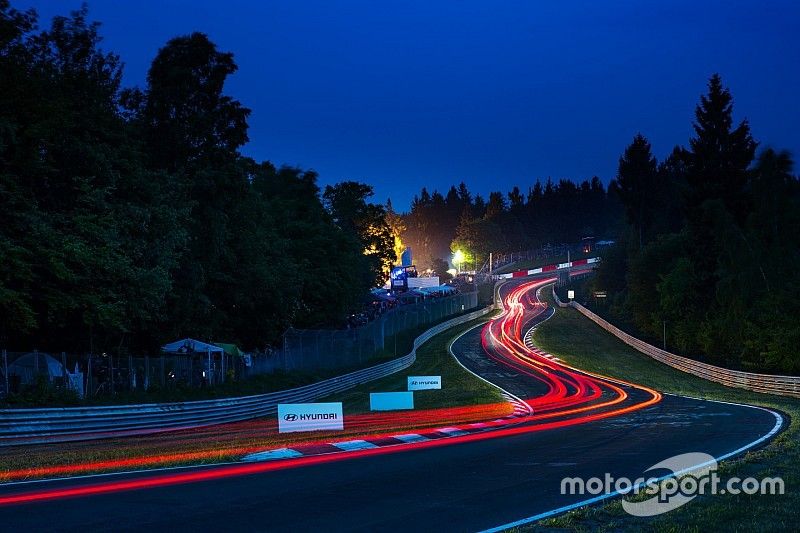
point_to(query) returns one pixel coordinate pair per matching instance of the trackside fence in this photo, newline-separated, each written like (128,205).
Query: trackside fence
(312,350)
(764,383)
(50,425)
(309,351)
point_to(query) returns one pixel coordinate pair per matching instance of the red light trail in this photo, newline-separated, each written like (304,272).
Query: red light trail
(570,392)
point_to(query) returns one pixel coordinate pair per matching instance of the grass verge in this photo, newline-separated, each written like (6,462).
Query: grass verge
(581,343)
(459,387)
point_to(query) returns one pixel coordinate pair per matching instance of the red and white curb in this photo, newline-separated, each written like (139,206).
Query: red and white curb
(548,268)
(528,340)
(305,450)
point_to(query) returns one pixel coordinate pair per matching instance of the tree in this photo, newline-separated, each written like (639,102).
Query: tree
(193,130)
(347,204)
(496,205)
(397,228)
(716,177)
(719,154)
(636,179)
(90,233)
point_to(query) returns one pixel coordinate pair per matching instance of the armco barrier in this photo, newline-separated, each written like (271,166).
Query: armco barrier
(765,383)
(30,426)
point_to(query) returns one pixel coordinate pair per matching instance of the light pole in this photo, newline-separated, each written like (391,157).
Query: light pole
(458,260)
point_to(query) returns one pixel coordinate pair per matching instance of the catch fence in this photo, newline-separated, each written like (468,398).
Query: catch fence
(43,375)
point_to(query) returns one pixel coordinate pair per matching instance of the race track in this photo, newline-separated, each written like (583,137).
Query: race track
(582,425)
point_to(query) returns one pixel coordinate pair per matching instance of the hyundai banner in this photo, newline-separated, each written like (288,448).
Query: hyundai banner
(424,382)
(310,417)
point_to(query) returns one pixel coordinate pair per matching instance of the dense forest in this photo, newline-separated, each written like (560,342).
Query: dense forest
(549,213)
(711,251)
(128,217)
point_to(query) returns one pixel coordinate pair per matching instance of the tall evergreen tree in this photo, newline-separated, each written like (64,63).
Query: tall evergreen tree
(720,154)
(636,179)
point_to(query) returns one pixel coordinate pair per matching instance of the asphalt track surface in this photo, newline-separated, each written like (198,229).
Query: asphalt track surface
(465,486)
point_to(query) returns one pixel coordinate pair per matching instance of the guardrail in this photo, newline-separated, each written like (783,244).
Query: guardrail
(50,425)
(764,383)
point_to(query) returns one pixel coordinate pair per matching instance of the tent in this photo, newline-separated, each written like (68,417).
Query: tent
(190,346)
(32,364)
(382,294)
(439,289)
(230,349)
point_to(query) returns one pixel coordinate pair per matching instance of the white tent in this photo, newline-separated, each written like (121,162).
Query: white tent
(32,364)
(190,345)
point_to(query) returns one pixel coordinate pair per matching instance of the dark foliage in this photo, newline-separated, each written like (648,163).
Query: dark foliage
(717,248)
(128,217)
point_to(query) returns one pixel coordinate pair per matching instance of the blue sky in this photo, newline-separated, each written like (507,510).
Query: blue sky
(409,94)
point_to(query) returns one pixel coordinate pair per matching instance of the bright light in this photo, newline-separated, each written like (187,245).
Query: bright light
(452,272)
(458,257)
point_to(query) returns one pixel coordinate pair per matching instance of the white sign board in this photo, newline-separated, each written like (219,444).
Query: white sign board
(571,295)
(310,417)
(424,382)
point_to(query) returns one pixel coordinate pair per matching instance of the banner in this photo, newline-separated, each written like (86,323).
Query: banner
(310,417)
(390,401)
(424,382)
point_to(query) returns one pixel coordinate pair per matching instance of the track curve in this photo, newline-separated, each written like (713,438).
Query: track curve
(582,425)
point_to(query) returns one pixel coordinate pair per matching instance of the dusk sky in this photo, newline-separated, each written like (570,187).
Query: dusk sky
(409,94)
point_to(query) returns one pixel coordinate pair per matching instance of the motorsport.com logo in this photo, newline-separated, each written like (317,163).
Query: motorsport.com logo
(291,417)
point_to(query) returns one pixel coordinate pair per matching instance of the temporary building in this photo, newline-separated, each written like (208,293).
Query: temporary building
(33,364)
(211,352)
(187,346)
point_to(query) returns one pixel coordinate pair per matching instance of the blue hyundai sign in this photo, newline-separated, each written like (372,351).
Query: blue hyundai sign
(390,401)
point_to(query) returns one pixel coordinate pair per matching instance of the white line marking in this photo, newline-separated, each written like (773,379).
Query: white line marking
(453,432)
(350,445)
(269,455)
(410,437)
